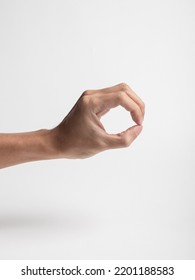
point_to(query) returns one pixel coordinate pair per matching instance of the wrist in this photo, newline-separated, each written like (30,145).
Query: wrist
(47,147)
(54,144)
(38,145)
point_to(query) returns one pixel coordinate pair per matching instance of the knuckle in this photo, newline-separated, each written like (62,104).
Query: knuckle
(84,101)
(120,96)
(86,92)
(124,86)
(125,141)
(88,101)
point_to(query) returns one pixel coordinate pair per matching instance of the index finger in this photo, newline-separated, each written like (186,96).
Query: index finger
(111,100)
(126,88)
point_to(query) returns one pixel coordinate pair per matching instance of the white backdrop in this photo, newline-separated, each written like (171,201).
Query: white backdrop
(134,203)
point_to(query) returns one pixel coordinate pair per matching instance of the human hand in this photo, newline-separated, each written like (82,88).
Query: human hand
(81,133)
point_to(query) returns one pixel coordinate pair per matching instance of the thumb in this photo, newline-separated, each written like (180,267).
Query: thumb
(125,138)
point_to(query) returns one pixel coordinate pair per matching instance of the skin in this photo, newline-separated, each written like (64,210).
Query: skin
(80,134)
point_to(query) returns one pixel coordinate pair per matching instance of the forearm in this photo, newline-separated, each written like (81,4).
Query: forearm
(16,148)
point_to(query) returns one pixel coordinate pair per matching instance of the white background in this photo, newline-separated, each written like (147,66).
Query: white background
(134,203)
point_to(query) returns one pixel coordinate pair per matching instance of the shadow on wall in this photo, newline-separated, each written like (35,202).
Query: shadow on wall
(71,222)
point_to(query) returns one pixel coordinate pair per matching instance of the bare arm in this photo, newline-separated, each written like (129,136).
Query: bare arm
(80,134)
(16,148)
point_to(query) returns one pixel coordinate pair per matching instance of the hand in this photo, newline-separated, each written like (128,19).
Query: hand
(82,135)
